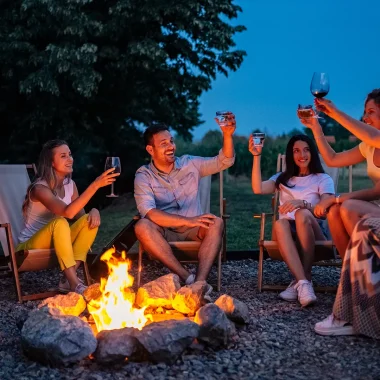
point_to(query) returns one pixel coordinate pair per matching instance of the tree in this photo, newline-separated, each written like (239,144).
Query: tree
(91,71)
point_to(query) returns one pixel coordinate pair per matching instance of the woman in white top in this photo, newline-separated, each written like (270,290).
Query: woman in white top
(345,210)
(302,185)
(52,198)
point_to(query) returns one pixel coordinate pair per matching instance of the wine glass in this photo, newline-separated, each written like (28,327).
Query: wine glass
(113,162)
(320,85)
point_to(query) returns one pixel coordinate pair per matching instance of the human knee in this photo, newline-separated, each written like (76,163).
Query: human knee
(144,227)
(218,225)
(348,207)
(60,223)
(334,213)
(303,217)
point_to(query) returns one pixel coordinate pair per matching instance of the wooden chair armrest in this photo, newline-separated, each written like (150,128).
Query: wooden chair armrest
(264,213)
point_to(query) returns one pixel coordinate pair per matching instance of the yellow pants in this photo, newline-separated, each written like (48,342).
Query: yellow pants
(71,243)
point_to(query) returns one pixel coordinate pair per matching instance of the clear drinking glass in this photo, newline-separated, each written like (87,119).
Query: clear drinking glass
(223,117)
(113,162)
(258,138)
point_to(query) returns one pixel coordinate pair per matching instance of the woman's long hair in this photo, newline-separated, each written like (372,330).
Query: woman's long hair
(45,171)
(292,169)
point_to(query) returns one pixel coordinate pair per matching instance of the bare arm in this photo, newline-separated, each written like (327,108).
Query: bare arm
(332,158)
(362,131)
(364,195)
(164,219)
(258,186)
(44,195)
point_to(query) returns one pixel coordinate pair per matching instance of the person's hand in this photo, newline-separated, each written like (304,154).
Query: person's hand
(309,122)
(93,219)
(106,178)
(255,150)
(229,126)
(204,221)
(326,106)
(321,208)
(290,206)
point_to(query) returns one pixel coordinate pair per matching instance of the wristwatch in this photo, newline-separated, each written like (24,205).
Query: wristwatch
(337,199)
(305,204)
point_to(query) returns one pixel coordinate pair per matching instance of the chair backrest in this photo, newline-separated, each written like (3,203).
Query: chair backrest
(204,193)
(333,172)
(14,181)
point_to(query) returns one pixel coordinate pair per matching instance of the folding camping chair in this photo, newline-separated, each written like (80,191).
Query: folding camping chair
(184,249)
(14,181)
(325,252)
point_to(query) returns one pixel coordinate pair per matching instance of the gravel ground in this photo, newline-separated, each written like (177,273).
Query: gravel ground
(279,342)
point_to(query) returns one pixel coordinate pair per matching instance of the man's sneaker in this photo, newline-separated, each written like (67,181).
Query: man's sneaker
(290,294)
(80,288)
(190,280)
(207,293)
(306,295)
(333,326)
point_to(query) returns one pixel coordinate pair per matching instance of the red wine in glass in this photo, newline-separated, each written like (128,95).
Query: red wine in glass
(320,85)
(113,162)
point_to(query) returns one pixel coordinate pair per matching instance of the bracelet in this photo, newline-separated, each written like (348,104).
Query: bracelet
(319,137)
(256,155)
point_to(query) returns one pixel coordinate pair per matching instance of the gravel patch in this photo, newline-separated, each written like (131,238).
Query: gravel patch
(279,342)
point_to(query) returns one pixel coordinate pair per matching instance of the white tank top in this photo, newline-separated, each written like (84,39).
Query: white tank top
(37,215)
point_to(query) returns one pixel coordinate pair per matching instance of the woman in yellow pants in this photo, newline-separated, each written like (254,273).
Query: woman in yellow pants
(52,198)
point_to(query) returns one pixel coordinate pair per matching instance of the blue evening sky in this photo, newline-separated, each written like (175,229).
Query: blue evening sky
(286,41)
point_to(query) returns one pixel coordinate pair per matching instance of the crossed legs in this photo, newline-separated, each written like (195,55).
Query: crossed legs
(151,236)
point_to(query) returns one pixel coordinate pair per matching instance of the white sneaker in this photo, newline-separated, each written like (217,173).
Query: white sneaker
(333,326)
(80,288)
(290,294)
(190,280)
(306,295)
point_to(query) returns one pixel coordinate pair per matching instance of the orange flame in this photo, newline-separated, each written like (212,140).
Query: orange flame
(114,309)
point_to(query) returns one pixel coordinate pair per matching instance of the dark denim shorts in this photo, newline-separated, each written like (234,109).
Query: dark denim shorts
(322,224)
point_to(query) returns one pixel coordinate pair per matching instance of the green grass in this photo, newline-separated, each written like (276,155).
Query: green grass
(242,229)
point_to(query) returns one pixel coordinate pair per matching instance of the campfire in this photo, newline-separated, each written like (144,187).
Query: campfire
(111,323)
(114,308)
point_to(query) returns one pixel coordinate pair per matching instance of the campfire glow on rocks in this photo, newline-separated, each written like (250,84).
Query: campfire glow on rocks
(111,323)
(114,308)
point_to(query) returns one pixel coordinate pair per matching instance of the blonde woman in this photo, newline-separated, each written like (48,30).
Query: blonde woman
(52,199)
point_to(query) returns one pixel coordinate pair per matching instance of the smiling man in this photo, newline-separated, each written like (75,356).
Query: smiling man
(168,200)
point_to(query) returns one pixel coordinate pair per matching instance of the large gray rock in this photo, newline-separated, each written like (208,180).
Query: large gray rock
(69,304)
(115,346)
(235,310)
(158,293)
(50,337)
(216,329)
(190,298)
(165,341)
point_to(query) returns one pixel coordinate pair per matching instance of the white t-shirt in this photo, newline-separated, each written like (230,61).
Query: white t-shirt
(308,188)
(372,170)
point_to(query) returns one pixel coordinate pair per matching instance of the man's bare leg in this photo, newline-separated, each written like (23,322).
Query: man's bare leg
(150,236)
(210,247)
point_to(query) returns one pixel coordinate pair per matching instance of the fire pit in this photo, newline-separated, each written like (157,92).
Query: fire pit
(111,323)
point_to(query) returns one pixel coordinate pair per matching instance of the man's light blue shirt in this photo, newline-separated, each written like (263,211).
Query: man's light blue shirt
(177,192)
